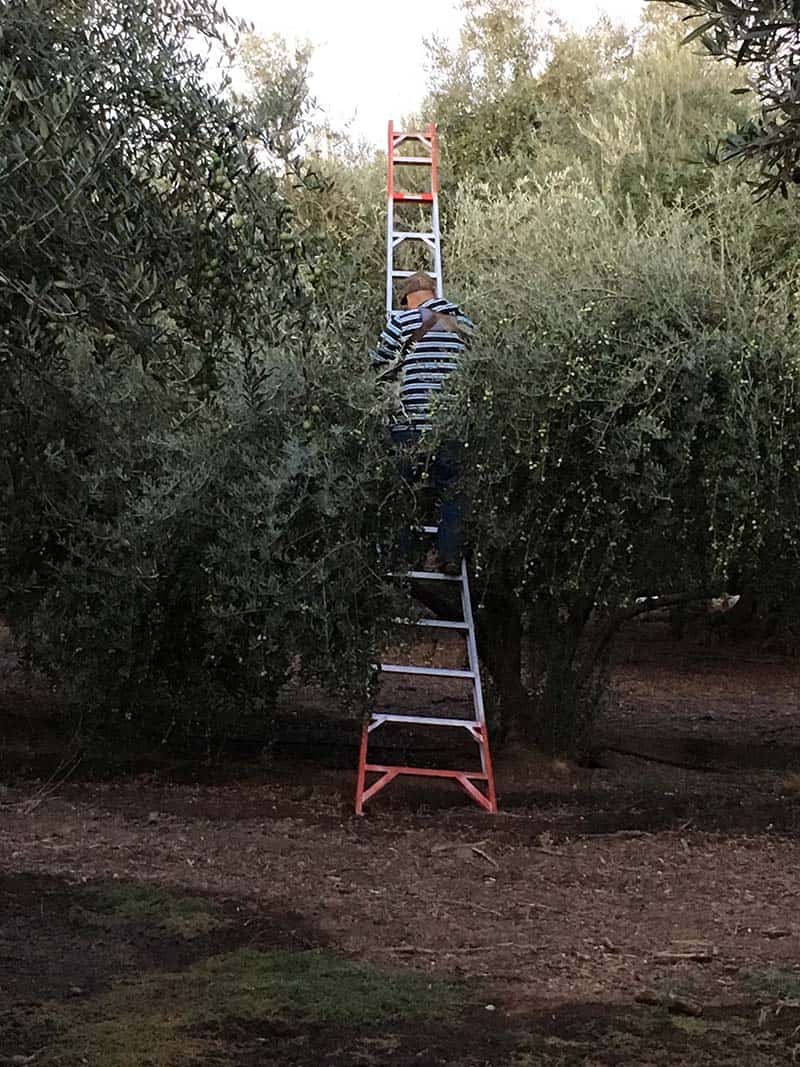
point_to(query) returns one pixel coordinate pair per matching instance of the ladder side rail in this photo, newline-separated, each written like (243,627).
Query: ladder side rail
(390,161)
(472,660)
(435,190)
(472,644)
(390,272)
(434,146)
(389,221)
(437,247)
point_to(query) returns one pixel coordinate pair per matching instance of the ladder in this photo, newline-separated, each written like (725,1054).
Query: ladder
(427,201)
(477,784)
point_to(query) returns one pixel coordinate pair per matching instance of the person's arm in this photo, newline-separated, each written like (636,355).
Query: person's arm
(386,355)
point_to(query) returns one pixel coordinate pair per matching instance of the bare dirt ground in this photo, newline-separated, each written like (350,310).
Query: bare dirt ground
(645,911)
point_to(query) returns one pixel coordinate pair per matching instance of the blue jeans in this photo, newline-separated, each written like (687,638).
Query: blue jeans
(442,468)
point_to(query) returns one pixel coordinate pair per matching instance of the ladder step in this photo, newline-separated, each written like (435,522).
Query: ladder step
(426,198)
(411,235)
(423,720)
(412,161)
(433,672)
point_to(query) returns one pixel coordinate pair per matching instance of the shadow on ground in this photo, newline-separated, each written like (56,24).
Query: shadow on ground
(126,975)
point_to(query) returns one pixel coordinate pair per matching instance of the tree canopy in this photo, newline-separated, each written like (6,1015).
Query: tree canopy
(762,36)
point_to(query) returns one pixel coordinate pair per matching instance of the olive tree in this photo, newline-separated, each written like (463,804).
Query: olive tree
(630,415)
(194,485)
(482,91)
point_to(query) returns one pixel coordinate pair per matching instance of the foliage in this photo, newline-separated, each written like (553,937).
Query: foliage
(190,466)
(482,93)
(654,112)
(634,107)
(282,102)
(763,35)
(578,64)
(631,410)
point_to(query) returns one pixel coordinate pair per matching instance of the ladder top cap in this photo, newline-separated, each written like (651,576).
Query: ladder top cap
(426,131)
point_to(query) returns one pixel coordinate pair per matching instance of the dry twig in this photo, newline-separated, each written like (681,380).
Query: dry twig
(66,767)
(486,856)
(471,904)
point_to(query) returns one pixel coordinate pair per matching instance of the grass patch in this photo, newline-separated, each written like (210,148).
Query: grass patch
(318,987)
(689,1024)
(130,1039)
(775,983)
(122,903)
(166,1019)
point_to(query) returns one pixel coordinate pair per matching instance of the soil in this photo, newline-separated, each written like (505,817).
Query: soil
(643,910)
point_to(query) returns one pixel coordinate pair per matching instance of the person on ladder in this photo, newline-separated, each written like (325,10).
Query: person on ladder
(422,344)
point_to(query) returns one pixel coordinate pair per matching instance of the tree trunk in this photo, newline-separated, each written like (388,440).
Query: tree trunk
(499,634)
(569,672)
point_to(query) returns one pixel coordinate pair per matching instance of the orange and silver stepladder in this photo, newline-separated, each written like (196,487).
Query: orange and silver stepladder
(479,783)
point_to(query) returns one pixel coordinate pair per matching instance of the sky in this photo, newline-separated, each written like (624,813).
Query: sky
(369,57)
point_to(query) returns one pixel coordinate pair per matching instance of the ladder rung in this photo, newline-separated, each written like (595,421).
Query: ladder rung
(408,273)
(423,197)
(427,772)
(433,672)
(433,576)
(424,720)
(411,235)
(442,624)
(412,161)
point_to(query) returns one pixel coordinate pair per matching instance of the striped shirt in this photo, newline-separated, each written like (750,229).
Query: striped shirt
(424,366)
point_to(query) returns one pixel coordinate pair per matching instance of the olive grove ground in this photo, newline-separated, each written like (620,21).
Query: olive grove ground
(642,911)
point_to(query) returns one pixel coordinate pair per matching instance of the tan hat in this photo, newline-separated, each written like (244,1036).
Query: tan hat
(417,283)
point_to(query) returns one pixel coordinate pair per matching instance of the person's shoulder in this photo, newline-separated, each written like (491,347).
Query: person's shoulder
(406,320)
(450,308)
(465,323)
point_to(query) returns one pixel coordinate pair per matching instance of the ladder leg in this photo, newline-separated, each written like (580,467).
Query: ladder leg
(488,770)
(473,791)
(484,751)
(362,770)
(474,664)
